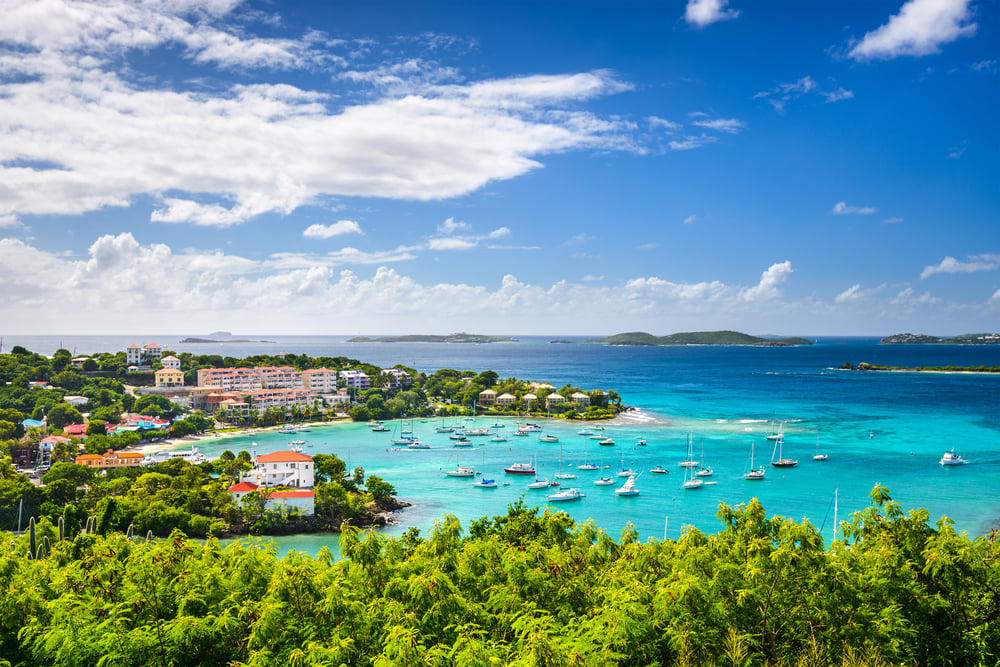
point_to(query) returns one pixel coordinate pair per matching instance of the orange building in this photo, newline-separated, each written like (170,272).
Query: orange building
(111,459)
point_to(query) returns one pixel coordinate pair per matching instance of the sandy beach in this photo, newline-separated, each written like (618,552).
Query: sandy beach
(192,440)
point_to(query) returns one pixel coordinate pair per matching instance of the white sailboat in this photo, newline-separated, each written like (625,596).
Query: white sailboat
(604,480)
(563,475)
(752,473)
(706,471)
(690,462)
(818,456)
(625,472)
(460,471)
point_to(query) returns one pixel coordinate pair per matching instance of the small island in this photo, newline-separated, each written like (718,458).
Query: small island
(641,338)
(924,339)
(430,338)
(865,366)
(220,337)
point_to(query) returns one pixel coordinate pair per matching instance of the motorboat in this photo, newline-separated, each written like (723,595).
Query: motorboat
(380,428)
(604,481)
(641,442)
(705,472)
(416,444)
(627,472)
(530,428)
(457,436)
(486,484)
(498,438)
(568,494)
(587,466)
(548,438)
(585,431)
(520,469)
(477,431)
(952,459)
(521,433)
(462,443)
(287,428)
(539,484)
(461,471)
(628,488)
(606,442)
(498,425)
(660,470)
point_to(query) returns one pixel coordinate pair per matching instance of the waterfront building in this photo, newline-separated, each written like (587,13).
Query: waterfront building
(285,468)
(279,377)
(527,399)
(487,397)
(553,400)
(581,399)
(356,379)
(506,400)
(302,499)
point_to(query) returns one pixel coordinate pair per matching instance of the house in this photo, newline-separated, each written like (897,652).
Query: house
(487,397)
(169,377)
(304,500)
(400,378)
(527,399)
(76,401)
(152,352)
(553,400)
(284,468)
(170,361)
(46,446)
(75,430)
(581,399)
(506,400)
(111,459)
(77,362)
(133,355)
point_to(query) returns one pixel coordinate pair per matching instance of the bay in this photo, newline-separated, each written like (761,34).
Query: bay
(887,428)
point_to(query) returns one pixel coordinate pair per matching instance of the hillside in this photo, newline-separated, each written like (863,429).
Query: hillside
(697,338)
(924,339)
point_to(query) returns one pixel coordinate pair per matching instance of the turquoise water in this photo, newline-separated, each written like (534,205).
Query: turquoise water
(888,428)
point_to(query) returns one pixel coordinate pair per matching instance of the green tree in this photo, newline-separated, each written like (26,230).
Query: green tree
(62,414)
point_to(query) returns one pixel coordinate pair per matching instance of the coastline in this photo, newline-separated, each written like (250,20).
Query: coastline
(191,440)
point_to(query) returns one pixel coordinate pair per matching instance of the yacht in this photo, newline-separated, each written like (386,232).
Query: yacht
(781,461)
(753,474)
(520,469)
(660,470)
(604,481)
(416,444)
(541,484)
(587,466)
(952,459)
(606,442)
(486,484)
(628,488)
(568,494)
(461,471)
(548,438)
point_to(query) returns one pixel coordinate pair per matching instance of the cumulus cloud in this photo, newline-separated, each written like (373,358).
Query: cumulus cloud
(767,288)
(450,226)
(975,264)
(84,130)
(920,28)
(657,122)
(841,208)
(783,94)
(338,228)
(499,233)
(701,13)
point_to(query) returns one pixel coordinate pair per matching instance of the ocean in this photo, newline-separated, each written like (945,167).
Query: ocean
(876,428)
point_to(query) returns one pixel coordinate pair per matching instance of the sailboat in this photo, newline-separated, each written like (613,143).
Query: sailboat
(781,461)
(691,481)
(778,433)
(690,462)
(625,472)
(460,471)
(818,456)
(586,465)
(753,473)
(541,483)
(485,483)
(604,479)
(563,475)
(706,471)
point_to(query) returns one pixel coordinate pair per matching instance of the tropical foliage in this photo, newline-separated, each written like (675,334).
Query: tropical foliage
(520,589)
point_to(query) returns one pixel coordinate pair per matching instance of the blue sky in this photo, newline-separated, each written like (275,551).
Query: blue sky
(512,168)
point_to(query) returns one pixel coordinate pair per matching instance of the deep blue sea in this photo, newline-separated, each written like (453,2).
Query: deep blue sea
(888,428)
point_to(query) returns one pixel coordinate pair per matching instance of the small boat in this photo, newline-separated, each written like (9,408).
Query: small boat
(477,431)
(380,428)
(486,484)
(628,488)
(521,433)
(691,481)
(660,470)
(404,441)
(296,446)
(753,474)
(585,431)
(597,437)
(457,436)
(604,481)
(548,438)
(297,442)
(461,471)
(818,456)
(520,469)
(444,429)
(302,428)
(498,425)
(641,442)
(587,466)
(606,442)
(530,428)
(539,484)
(287,428)
(706,471)
(597,428)
(778,433)
(568,494)
(498,438)
(416,444)
(781,461)
(952,459)
(563,475)
(462,443)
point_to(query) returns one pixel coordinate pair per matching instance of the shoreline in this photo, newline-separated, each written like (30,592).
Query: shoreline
(192,440)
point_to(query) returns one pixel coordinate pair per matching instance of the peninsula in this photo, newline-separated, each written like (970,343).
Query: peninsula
(429,338)
(924,339)
(697,338)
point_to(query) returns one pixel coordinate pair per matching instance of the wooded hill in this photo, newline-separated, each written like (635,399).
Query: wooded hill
(697,338)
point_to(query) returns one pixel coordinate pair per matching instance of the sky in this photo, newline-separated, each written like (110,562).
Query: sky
(547,167)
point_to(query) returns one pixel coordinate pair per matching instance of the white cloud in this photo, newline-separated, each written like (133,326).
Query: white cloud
(920,28)
(499,233)
(908,297)
(892,221)
(106,134)
(690,142)
(767,288)
(783,94)
(592,279)
(9,221)
(579,239)
(449,226)
(996,297)
(701,13)
(841,208)
(852,293)
(975,264)
(657,122)
(450,243)
(338,228)
(987,66)
(688,220)
(730,125)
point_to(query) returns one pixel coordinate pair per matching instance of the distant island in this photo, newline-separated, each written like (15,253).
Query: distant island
(429,338)
(221,337)
(924,339)
(865,366)
(697,338)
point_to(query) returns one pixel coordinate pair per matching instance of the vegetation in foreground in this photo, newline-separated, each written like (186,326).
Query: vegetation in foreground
(522,589)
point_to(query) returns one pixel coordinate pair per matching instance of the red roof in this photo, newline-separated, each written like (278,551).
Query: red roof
(243,487)
(291,494)
(133,345)
(283,457)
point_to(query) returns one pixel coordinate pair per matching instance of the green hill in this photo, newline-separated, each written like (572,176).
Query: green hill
(697,338)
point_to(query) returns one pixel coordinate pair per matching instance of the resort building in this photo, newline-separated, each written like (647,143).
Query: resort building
(77,362)
(506,400)
(400,378)
(320,380)
(111,459)
(170,361)
(133,355)
(356,379)
(527,399)
(553,400)
(230,379)
(285,468)
(487,397)
(302,500)
(581,399)
(169,377)
(152,352)
(279,377)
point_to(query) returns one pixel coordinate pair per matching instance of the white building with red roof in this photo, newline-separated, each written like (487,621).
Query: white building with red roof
(303,499)
(287,468)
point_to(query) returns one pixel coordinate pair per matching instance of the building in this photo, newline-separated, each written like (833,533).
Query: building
(581,399)
(527,399)
(303,500)
(77,362)
(279,377)
(46,446)
(133,355)
(320,380)
(76,401)
(230,379)
(285,468)
(356,379)
(553,400)
(111,459)
(169,377)
(170,361)
(487,397)
(400,378)
(506,400)
(152,352)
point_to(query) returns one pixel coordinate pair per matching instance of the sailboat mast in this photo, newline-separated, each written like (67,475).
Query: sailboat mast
(835,514)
